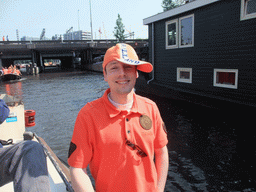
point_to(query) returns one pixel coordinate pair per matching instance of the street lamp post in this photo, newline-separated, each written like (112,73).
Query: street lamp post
(78,20)
(91,21)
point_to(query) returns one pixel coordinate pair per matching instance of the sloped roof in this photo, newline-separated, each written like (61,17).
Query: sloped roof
(184,8)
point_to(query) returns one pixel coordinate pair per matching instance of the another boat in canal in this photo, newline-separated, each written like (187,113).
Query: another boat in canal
(14,128)
(12,73)
(10,76)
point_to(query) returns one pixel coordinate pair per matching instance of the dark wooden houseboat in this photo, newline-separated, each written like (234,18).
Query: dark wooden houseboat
(205,48)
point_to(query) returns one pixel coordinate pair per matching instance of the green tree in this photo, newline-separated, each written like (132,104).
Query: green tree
(171,4)
(119,30)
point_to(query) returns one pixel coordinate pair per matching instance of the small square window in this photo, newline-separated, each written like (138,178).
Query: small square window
(248,9)
(225,78)
(184,75)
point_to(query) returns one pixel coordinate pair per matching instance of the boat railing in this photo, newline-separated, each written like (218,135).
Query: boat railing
(62,170)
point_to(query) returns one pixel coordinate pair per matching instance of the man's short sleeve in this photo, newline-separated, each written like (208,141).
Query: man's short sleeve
(161,133)
(80,151)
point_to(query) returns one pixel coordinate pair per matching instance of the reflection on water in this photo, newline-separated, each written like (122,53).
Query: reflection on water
(14,88)
(210,150)
(57,99)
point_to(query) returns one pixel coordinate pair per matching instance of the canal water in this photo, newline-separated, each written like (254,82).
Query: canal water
(210,149)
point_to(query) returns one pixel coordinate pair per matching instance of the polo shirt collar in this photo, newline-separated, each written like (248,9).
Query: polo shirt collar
(113,111)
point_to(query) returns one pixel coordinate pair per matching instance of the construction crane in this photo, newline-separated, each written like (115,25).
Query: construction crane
(104,30)
(130,34)
(17,33)
(42,34)
(70,29)
(69,34)
(100,32)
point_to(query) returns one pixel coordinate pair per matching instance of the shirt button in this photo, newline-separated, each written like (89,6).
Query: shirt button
(127,119)
(128,131)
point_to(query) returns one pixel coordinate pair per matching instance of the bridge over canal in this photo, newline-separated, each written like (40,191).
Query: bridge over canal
(66,50)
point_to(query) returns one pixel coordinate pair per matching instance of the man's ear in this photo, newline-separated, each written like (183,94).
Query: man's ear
(137,74)
(105,75)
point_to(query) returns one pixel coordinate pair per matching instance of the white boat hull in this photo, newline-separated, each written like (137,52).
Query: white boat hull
(59,175)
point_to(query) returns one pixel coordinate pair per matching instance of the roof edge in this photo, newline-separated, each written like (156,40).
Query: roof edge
(184,8)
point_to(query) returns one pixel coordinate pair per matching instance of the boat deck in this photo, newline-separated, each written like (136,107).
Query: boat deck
(14,127)
(56,182)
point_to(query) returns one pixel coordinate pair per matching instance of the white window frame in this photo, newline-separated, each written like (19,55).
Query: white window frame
(184,80)
(215,84)
(178,35)
(243,15)
(180,19)
(167,36)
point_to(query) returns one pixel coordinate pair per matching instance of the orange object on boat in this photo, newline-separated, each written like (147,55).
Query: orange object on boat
(30,118)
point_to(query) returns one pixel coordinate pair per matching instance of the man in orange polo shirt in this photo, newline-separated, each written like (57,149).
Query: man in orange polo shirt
(121,136)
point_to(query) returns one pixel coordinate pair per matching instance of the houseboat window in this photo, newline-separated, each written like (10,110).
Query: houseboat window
(248,9)
(186,26)
(180,32)
(171,34)
(226,78)
(184,75)
(250,6)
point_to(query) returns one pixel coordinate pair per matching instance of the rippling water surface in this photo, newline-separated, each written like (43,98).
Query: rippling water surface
(209,149)
(57,99)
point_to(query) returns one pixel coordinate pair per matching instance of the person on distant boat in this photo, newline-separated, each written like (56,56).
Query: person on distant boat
(23,163)
(14,70)
(2,71)
(121,136)
(18,72)
(10,69)
(5,70)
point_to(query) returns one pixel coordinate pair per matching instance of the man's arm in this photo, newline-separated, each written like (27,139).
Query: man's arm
(162,164)
(80,180)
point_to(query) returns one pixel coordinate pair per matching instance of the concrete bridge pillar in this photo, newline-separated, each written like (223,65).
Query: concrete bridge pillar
(83,58)
(86,58)
(41,66)
(66,62)
(33,58)
(37,59)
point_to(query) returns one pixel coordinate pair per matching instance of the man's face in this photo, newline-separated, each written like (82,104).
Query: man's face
(121,77)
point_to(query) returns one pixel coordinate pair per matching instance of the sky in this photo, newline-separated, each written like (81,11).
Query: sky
(57,16)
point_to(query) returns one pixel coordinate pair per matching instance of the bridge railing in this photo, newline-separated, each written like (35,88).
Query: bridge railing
(87,42)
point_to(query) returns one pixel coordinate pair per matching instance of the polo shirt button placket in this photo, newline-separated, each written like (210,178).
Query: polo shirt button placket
(128,131)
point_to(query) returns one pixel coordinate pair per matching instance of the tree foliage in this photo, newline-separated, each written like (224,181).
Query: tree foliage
(119,29)
(171,4)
